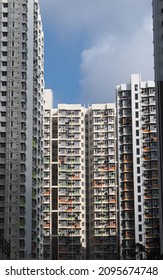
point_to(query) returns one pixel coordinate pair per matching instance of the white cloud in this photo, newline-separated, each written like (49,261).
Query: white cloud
(110,62)
(117,36)
(94,18)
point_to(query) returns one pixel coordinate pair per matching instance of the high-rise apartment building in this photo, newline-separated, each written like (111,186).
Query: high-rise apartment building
(101,182)
(80,193)
(64,226)
(138,169)
(158,63)
(21,126)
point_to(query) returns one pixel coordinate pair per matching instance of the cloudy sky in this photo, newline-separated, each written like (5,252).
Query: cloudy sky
(93,45)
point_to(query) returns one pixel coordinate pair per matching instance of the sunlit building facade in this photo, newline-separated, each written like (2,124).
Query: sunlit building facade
(64,226)
(138,169)
(102,182)
(80,192)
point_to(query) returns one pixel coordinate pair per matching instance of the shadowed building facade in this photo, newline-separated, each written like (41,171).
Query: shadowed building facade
(21,126)
(158,66)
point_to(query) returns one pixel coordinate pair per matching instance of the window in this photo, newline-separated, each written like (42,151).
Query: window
(136,114)
(136,96)
(5,5)
(138,160)
(139,188)
(4,73)
(5,14)
(136,105)
(2,155)
(139,198)
(4,34)
(4,63)
(138,179)
(140,218)
(140,227)
(138,151)
(137,132)
(4,53)
(1,209)
(5,24)
(136,87)
(3,114)
(4,93)
(4,84)
(140,237)
(3,103)
(137,141)
(1,220)
(3,124)
(139,208)
(137,124)
(4,44)
(3,134)
(138,169)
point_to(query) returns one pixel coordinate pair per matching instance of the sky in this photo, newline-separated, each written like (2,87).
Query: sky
(93,45)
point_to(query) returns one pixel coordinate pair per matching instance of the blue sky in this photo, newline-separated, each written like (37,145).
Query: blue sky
(91,46)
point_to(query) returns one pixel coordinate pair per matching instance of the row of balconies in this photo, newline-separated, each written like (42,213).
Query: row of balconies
(103,135)
(104,223)
(104,231)
(104,170)
(69,232)
(70,163)
(67,250)
(149,138)
(70,191)
(103,113)
(69,135)
(153,233)
(69,207)
(102,184)
(104,207)
(69,120)
(124,95)
(69,129)
(69,224)
(148,92)
(74,113)
(68,151)
(108,192)
(104,159)
(124,103)
(69,183)
(69,199)
(103,120)
(74,144)
(68,240)
(125,140)
(69,216)
(103,145)
(124,112)
(100,200)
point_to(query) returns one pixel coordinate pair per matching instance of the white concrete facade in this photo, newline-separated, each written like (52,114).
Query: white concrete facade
(137,167)
(71,187)
(102,182)
(64,225)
